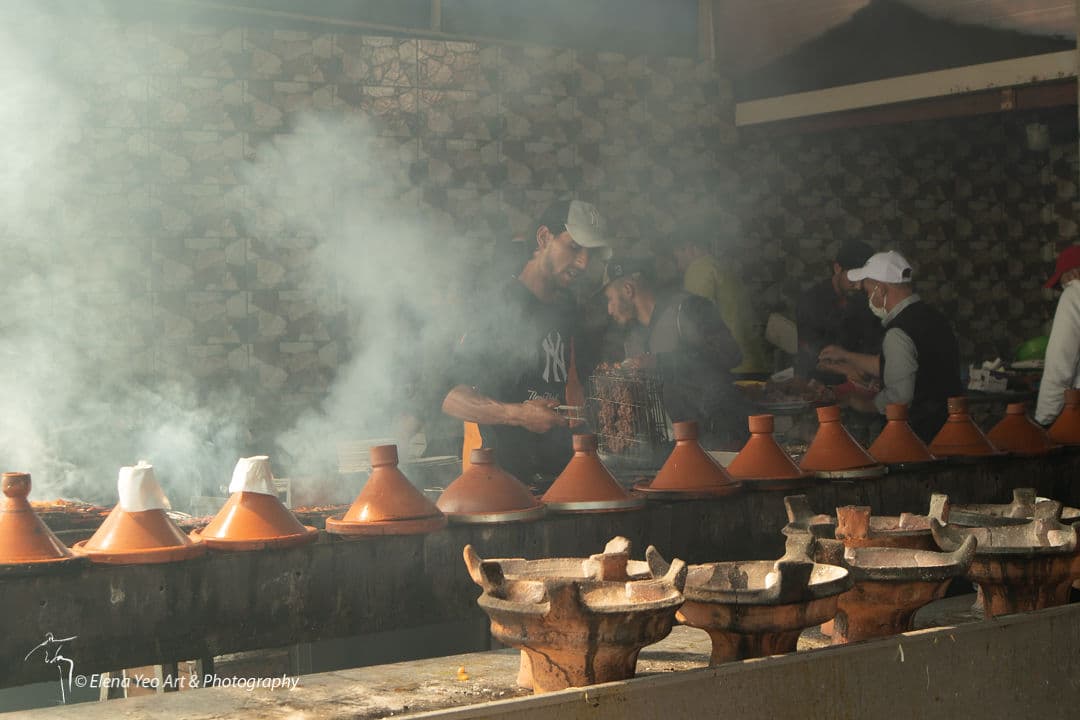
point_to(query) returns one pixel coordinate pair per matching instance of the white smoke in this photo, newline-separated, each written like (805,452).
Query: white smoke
(80,394)
(393,268)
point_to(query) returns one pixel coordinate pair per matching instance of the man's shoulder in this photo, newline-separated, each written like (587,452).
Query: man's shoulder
(1070,296)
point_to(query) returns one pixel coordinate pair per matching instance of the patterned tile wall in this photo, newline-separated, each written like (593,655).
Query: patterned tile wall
(979,215)
(480,138)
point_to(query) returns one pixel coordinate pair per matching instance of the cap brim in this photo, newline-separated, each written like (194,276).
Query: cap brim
(586,238)
(1054,279)
(858,274)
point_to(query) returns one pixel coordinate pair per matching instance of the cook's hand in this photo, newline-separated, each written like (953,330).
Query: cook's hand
(640,362)
(832,356)
(539,415)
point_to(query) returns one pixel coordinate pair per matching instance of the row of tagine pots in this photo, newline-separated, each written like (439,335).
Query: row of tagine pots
(138,530)
(582,621)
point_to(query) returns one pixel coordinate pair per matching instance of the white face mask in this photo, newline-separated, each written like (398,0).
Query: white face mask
(879,312)
(1070,283)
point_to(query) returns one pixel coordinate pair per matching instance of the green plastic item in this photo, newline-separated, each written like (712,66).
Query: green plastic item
(1033,349)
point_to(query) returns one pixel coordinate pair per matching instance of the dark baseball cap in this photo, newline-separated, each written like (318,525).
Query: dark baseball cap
(853,254)
(623,266)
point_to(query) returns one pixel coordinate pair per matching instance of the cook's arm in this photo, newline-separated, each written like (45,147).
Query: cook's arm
(835,358)
(1062,357)
(465,403)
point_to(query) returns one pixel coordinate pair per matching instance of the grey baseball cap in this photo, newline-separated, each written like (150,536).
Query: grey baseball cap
(587,227)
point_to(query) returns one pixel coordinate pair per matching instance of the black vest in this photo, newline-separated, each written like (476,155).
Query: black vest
(938,375)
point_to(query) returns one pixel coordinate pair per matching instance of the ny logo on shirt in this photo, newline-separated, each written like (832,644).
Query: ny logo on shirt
(554,358)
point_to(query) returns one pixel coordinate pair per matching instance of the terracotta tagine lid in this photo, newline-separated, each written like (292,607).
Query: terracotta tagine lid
(1066,429)
(833,452)
(24,538)
(762,463)
(1017,433)
(253,518)
(585,485)
(389,504)
(898,444)
(485,493)
(960,436)
(689,471)
(138,531)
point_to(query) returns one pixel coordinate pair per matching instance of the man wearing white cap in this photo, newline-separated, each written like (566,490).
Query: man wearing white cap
(919,364)
(511,368)
(1062,369)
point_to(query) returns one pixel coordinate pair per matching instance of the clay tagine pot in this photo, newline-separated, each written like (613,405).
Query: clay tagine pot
(1020,511)
(1066,429)
(762,464)
(898,445)
(857,528)
(585,485)
(891,584)
(960,437)
(485,493)
(833,453)
(253,518)
(579,622)
(24,538)
(759,608)
(138,531)
(1019,434)
(389,504)
(1017,567)
(689,472)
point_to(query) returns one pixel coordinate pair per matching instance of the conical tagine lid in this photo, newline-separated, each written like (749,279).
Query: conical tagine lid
(253,518)
(898,444)
(960,436)
(833,449)
(585,485)
(1017,433)
(762,459)
(389,504)
(24,538)
(486,493)
(138,531)
(689,470)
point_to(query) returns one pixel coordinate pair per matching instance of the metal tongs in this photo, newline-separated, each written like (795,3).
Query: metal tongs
(573,413)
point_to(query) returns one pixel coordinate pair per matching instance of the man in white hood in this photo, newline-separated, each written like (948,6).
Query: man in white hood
(1063,351)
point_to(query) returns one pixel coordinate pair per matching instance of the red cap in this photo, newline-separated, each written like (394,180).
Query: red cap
(1067,259)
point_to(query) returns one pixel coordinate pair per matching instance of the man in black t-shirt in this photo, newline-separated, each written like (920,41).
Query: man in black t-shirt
(512,365)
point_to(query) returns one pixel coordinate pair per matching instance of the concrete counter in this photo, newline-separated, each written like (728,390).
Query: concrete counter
(1017,666)
(229,602)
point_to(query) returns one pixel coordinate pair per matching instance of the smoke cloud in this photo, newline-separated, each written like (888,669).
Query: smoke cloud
(86,381)
(397,274)
(77,364)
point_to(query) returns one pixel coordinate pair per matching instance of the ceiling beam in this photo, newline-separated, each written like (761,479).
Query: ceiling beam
(1060,93)
(909,88)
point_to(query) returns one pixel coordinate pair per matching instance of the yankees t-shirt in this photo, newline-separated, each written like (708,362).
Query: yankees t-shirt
(517,348)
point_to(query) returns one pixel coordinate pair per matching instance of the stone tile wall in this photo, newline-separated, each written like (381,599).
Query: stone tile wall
(216,292)
(979,215)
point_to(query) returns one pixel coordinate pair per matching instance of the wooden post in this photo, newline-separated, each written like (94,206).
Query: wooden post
(436,15)
(707,30)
